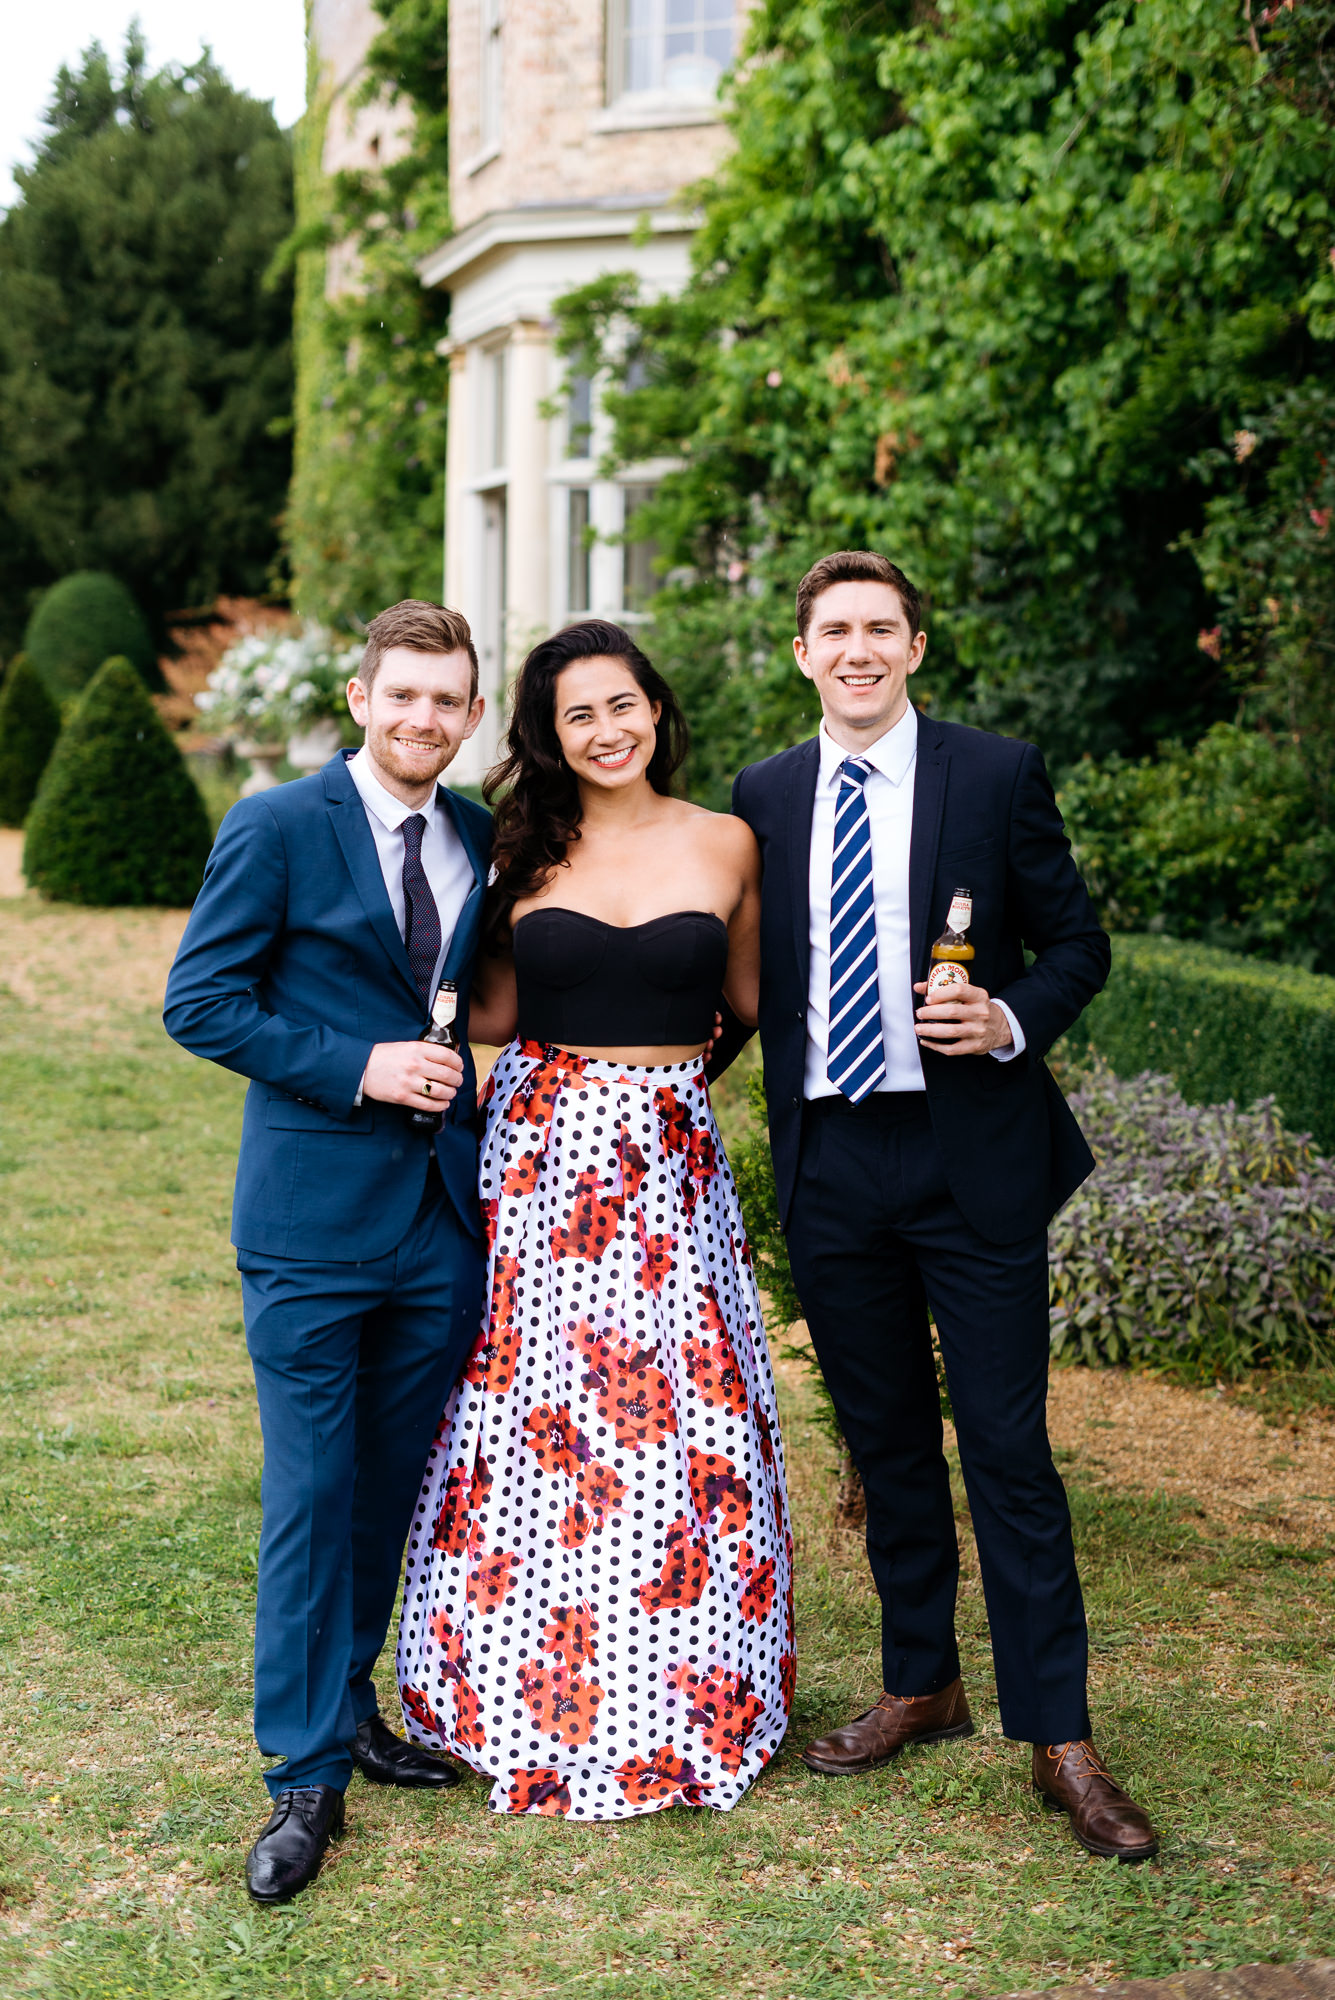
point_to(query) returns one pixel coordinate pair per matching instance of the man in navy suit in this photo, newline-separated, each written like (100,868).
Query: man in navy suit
(919,1154)
(331,910)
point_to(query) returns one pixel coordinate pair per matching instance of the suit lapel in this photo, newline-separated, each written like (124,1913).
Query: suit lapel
(799,805)
(347,815)
(465,930)
(929,798)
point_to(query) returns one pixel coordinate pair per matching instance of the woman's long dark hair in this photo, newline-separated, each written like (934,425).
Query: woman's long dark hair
(533,789)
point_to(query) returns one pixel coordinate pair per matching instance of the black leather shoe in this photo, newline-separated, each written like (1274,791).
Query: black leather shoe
(288,1853)
(385,1759)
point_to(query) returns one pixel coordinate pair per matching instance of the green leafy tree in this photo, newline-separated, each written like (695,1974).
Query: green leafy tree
(978,286)
(117,818)
(145,367)
(29,726)
(364,524)
(81,621)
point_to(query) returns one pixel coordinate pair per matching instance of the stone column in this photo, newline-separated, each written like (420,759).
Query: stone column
(527,525)
(458,460)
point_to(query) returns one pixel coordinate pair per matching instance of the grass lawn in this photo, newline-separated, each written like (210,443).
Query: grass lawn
(129,1787)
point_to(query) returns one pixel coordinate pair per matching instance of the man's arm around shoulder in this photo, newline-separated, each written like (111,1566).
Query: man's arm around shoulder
(210,1006)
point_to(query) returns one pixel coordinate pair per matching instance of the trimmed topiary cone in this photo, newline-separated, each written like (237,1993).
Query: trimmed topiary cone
(84,619)
(29,726)
(117,818)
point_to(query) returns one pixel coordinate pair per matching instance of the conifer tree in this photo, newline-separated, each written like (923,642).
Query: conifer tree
(118,818)
(84,619)
(29,726)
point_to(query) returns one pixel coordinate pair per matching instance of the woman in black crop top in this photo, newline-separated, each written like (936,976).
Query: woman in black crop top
(598,1607)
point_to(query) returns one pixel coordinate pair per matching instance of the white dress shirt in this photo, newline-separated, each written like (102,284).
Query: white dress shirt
(889,795)
(448,870)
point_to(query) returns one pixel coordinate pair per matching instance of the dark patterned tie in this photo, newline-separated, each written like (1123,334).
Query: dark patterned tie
(421,928)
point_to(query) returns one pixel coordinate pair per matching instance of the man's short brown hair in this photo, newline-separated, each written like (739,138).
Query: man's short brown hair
(856,566)
(423,628)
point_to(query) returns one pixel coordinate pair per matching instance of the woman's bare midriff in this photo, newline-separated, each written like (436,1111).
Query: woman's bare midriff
(644,1058)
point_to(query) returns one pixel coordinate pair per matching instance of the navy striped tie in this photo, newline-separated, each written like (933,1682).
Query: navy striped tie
(856,1062)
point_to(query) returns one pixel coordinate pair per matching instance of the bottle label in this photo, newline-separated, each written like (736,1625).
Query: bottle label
(961,913)
(444,1007)
(945,979)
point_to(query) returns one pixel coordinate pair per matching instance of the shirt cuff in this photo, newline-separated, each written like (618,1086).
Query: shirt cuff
(1017,1036)
(362,1085)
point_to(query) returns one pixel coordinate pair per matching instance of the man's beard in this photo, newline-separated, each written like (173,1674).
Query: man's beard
(385,752)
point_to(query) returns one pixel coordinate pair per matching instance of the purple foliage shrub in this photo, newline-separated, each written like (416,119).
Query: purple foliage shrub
(1205,1238)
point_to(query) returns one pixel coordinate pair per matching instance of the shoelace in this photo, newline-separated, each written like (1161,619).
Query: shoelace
(1085,1760)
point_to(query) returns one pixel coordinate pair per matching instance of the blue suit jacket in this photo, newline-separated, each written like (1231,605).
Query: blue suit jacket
(290,969)
(984,817)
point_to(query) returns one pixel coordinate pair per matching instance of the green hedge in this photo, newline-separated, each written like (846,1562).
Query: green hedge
(1221,1026)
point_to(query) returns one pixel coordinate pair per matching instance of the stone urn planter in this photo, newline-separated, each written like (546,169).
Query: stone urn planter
(264,759)
(308,749)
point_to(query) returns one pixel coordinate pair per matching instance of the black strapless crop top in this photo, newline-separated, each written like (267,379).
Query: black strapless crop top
(587,984)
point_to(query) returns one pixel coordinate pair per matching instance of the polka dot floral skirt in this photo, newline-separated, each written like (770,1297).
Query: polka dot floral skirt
(598,1608)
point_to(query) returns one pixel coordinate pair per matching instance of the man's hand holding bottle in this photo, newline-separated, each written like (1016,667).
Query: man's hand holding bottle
(417,1074)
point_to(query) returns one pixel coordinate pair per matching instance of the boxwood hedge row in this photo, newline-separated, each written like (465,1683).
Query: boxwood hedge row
(1223,1027)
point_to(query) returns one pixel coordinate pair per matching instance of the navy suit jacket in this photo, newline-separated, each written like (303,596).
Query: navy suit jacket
(984,817)
(290,970)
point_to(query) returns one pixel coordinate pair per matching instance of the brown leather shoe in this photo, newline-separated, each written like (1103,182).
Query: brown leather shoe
(1073,1778)
(896,1721)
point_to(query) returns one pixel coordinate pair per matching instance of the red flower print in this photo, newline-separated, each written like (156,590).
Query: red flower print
(521,1173)
(479,1487)
(629,1392)
(723,1708)
(469,1729)
(560,1702)
(757,1582)
(553,1434)
(568,1635)
(766,1435)
(534,1101)
(416,1704)
(788,1679)
(600,1488)
(453,1665)
(716,1488)
(592,1223)
(664,1776)
(450,1642)
(491,1214)
(491,1578)
(495,1357)
(577,1524)
(633,1164)
(451,1529)
(703,1156)
(656,1254)
(540,1791)
(684,1573)
(712,1364)
(674,1120)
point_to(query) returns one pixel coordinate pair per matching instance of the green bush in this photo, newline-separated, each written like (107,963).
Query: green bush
(29,726)
(117,818)
(1224,1028)
(84,619)
(1223,843)
(1205,1239)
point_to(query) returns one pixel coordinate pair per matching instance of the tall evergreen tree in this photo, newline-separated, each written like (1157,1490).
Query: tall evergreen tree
(118,817)
(145,366)
(29,726)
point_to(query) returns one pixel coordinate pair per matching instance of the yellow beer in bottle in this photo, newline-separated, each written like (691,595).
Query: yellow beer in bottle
(952,951)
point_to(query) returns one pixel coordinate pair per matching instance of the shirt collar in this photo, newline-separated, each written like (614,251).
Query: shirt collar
(391,812)
(892,754)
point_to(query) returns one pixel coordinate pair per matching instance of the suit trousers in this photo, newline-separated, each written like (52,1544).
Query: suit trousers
(353,1365)
(877,1244)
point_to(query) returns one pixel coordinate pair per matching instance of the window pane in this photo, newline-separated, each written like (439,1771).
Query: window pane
(579,416)
(679,45)
(639,580)
(577,550)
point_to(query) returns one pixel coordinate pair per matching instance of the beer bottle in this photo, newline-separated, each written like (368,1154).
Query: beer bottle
(952,951)
(441,1030)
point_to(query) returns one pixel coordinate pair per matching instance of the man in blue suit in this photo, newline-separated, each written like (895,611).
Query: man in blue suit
(331,910)
(920,1150)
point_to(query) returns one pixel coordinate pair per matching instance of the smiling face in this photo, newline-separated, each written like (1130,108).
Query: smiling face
(416,713)
(605,723)
(859,653)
